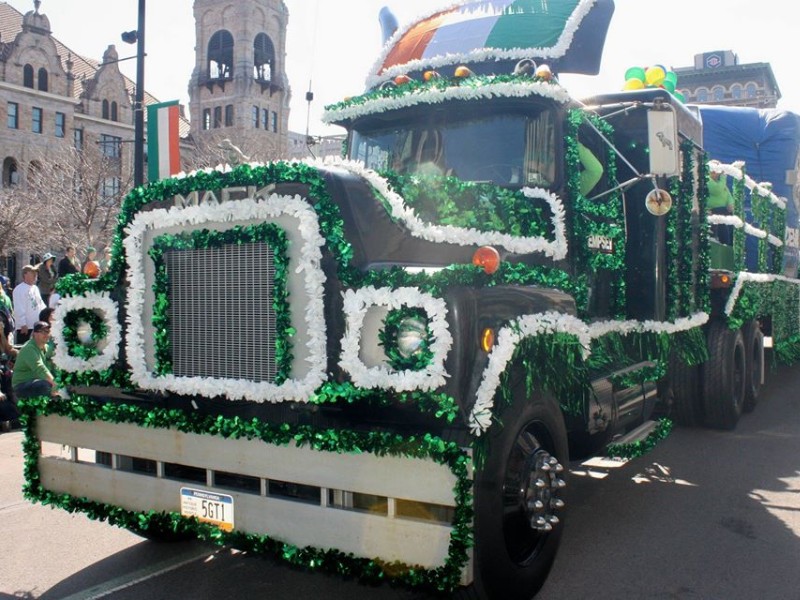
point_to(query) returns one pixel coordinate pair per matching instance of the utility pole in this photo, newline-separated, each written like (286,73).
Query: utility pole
(138,115)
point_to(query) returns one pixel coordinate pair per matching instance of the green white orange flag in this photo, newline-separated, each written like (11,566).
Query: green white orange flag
(163,140)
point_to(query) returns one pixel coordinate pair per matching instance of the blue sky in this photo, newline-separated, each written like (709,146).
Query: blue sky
(334,44)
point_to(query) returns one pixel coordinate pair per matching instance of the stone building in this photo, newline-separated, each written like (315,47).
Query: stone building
(239,90)
(718,78)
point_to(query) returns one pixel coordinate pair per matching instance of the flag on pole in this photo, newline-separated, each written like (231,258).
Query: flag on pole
(163,148)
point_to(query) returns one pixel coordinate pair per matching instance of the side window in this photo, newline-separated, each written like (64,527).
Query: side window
(540,158)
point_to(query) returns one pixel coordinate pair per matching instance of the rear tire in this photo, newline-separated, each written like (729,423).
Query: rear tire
(512,557)
(687,402)
(724,377)
(754,364)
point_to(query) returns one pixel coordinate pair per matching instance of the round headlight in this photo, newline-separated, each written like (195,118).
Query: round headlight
(411,335)
(84,333)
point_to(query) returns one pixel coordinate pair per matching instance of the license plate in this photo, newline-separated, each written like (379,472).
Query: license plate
(208,507)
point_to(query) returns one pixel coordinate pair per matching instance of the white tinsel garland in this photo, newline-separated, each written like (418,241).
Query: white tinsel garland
(102,304)
(308,259)
(356,305)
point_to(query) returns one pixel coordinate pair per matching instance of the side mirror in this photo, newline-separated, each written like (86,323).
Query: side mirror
(662,139)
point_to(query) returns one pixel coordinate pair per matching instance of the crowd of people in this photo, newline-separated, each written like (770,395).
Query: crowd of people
(26,312)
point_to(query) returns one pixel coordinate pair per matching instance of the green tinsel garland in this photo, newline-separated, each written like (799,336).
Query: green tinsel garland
(387,337)
(637,449)
(702,288)
(739,236)
(99,330)
(442,579)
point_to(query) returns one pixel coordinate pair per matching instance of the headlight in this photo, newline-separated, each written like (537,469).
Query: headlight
(411,335)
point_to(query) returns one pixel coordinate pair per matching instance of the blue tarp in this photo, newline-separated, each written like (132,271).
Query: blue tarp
(768,140)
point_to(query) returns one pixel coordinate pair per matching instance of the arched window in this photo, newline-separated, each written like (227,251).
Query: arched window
(114,113)
(10,172)
(263,58)
(702,95)
(105,109)
(736,91)
(750,90)
(220,55)
(719,93)
(42,76)
(27,76)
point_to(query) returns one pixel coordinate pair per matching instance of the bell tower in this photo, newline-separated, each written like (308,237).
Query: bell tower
(239,91)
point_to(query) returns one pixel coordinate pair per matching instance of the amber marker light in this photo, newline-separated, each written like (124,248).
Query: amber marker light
(462,72)
(487,339)
(487,258)
(402,79)
(720,281)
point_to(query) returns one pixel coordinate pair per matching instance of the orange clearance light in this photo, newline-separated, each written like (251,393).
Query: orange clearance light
(487,339)
(462,72)
(428,75)
(401,79)
(486,258)
(543,72)
(720,281)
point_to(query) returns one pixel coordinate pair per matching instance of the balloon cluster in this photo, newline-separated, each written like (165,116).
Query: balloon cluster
(656,76)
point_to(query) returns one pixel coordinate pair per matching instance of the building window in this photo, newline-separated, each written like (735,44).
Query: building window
(36,120)
(750,90)
(114,112)
(42,76)
(206,118)
(217,117)
(60,124)
(12,119)
(27,76)
(265,119)
(229,115)
(220,55)
(105,111)
(77,137)
(110,145)
(256,113)
(719,93)
(275,122)
(736,91)
(110,188)
(10,172)
(263,58)
(702,95)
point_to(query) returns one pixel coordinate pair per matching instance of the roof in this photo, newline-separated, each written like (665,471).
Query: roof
(82,67)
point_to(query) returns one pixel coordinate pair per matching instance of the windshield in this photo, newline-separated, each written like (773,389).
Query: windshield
(509,150)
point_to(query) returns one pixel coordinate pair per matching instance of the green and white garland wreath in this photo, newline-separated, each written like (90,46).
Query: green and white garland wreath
(109,349)
(462,236)
(509,337)
(745,277)
(356,305)
(557,50)
(306,263)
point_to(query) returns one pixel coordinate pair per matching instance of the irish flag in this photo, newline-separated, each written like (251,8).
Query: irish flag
(163,149)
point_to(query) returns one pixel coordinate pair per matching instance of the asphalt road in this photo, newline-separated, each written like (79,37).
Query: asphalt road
(706,515)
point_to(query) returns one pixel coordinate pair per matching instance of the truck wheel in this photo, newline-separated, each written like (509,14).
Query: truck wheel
(754,363)
(724,377)
(518,505)
(686,401)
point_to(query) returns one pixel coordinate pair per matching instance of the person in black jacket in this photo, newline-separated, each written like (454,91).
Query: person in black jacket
(68,264)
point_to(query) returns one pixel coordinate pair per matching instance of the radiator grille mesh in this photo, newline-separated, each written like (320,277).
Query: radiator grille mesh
(222,319)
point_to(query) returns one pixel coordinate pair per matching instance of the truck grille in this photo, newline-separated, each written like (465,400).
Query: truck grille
(222,319)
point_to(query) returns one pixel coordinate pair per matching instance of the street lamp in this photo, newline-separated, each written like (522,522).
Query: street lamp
(130,37)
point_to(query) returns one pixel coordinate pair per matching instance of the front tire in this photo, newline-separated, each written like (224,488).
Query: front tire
(724,377)
(518,509)
(754,364)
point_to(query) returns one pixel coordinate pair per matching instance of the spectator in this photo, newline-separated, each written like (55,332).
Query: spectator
(105,262)
(90,266)
(27,304)
(47,315)
(68,264)
(9,417)
(47,276)
(31,376)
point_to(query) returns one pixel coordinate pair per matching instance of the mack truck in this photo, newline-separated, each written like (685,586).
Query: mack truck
(382,366)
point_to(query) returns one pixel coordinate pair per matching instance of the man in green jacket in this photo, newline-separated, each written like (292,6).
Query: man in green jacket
(31,376)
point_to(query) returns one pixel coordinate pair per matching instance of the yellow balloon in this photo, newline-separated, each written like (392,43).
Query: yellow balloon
(654,75)
(633,84)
